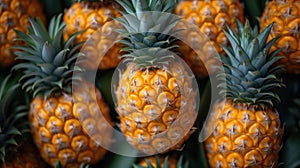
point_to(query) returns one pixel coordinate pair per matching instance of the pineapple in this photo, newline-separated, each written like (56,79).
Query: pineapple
(210,16)
(14,15)
(159,161)
(94,17)
(15,151)
(247,130)
(286,17)
(63,121)
(156,93)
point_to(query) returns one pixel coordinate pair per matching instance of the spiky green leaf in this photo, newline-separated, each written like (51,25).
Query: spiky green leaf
(47,63)
(251,72)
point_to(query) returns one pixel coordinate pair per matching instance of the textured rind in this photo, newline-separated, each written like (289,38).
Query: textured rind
(95,19)
(66,127)
(14,15)
(150,101)
(286,18)
(210,16)
(244,136)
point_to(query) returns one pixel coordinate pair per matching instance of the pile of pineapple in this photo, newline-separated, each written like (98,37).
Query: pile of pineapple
(45,122)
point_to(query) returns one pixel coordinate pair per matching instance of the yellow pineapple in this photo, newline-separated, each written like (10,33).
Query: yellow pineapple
(247,130)
(14,15)
(285,14)
(15,150)
(95,19)
(62,120)
(210,16)
(154,93)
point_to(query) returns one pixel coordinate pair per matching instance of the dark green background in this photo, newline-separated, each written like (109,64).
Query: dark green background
(193,151)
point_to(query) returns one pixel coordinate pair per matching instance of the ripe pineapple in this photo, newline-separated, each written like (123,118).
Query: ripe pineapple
(248,129)
(15,151)
(95,19)
(61,119)
(210,16)
(286,17)
(159,161)
(155,94)
(14,15)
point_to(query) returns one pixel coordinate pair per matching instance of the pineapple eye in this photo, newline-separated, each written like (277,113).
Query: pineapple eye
(44,135)
(8,19)
(156,128)
(218,129)
(235,160)
(219,161)
(60,141)
(89,126)
(86,157)
(94,21)
(54,124)
(135,102)
(50,150)
(211,145)
(139,119)
(142,136)
(266,143)
(63,112)
(224,144)
(72,127)
(233,128)
(152,111)
(169,116)
(161,144)
(129,125)
(67,156)
(165,100)
(79,143)
(80,110)
(242,143)
(42,117)
(253,158)
(145,148)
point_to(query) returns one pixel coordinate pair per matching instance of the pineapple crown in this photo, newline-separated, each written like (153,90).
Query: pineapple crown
(148,26)
(180,163)
(12,117)
(48,62)
(250,73)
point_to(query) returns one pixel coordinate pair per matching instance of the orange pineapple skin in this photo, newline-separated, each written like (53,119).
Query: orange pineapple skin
(210,16)
(286,18)
(65,128)
(26,156)
(149,101)
(244,136)
(94,18)
(14,16)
